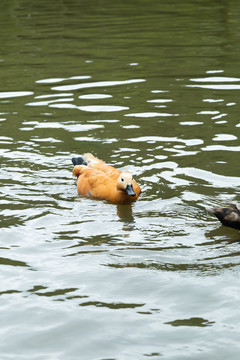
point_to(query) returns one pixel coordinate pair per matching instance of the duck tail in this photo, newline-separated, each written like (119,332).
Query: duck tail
(78,161)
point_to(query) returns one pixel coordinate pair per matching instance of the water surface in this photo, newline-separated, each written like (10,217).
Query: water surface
(148,86)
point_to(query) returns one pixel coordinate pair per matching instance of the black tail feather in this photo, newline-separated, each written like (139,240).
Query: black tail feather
(78,161)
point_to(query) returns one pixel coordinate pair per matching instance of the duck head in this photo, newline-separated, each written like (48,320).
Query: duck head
(125,183)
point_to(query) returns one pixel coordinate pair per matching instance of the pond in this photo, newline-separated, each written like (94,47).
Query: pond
(148,86)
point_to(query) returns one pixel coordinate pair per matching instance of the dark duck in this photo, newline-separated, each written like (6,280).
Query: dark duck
(228,215)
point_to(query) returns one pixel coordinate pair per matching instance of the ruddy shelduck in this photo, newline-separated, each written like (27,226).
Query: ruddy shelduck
(228,215)
(101,181)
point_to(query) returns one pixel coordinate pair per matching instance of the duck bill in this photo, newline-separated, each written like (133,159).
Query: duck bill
(129,190)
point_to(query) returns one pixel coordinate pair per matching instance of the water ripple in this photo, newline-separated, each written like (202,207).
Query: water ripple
(47,102)
(216,79)
(94,96)
(221,148)
(10,94)
(150,114)
(216,87)
(96,84)
(102,108)
(56,80)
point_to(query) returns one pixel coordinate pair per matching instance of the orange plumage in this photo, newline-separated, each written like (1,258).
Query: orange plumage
(101,181)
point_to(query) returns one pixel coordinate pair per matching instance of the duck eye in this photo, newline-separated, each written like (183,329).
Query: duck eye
(122,179)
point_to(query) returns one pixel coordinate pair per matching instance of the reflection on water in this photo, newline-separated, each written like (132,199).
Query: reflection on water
(125,213)
(191,322)
(152,88)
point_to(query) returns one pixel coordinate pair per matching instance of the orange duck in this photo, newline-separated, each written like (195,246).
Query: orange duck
(101,181)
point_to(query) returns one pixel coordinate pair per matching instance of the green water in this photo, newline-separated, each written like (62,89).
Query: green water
(151,86)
